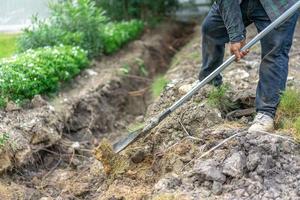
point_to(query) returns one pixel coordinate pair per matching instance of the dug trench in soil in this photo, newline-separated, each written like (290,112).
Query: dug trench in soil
(171,162)
(49,152)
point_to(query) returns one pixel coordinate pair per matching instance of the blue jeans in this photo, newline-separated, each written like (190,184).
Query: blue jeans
(275,48)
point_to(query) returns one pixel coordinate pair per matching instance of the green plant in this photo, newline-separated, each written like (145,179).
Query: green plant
(158,85)
(3,139)
(125,69)
(39,71)
(289,104)
(77,23)
(41,34)
(218,98)
(288,112)
(115,35)
(297,129)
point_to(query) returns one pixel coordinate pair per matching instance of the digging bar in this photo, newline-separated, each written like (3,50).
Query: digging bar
(133,136)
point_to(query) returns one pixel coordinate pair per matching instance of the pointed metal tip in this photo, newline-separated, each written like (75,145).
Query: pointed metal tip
(123,143)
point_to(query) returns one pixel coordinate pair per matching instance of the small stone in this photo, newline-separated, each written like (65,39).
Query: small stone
(138,157)
(140,118)
(253,161)
(170,181)
(217,188)
(91,72)
(45,198)
(11,106)
(38,102)
(208,169)
(75,146)
(185,89)
(234,165)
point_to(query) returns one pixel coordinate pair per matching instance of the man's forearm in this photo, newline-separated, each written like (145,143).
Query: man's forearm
(232,16)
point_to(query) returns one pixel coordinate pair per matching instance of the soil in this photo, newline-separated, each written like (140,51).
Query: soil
(51,153)
(51,140)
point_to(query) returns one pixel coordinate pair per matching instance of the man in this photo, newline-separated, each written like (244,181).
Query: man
(225,23)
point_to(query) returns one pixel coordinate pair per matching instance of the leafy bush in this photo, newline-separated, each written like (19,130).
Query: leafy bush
(77,23)
(115,35)
(39,71)
(137,9)
(42,34)
(158,85)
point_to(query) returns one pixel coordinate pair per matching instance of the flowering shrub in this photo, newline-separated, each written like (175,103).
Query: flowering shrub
(72,22)
(79,23)
(115,35)
(39,71)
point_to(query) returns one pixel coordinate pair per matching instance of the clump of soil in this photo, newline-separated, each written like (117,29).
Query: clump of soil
(113,164)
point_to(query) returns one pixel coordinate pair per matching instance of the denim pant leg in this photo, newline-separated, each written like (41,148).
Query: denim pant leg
(273,70)
(214,37)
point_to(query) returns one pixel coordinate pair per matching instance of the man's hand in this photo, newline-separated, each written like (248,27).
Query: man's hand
(235,50)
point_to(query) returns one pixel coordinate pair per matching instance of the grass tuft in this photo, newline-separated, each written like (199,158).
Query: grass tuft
(158,85)
(288,113)
(218,98)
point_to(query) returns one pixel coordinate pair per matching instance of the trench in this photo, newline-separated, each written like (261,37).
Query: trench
(105,111)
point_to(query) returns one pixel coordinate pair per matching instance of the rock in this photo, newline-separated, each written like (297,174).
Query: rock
(45,198)
(91,72)
(253,160)
(170,181)
(208,170)
(11,106)
(184,89)
(265,165)
(238,74)
(138,157)
(217,188)
(234,165)
(5,162)
(75,146)
(38,102)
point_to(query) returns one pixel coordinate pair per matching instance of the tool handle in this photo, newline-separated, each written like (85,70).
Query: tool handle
(231,59)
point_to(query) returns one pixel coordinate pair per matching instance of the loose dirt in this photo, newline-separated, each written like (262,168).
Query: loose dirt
(169,163)
(49,152)
(175,161)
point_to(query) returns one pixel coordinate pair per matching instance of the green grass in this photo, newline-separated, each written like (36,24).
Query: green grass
(158,85)
(288,113)
(8,44)
(218,98)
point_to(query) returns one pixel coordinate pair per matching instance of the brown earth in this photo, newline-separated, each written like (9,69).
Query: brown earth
(172,159)
(169,162)
(49,151)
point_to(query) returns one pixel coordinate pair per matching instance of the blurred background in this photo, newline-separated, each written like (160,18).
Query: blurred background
(17,14)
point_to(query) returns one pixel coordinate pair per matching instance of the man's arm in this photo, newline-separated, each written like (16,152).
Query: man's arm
(232,16)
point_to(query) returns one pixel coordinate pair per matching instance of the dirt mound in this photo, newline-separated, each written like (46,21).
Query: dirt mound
(28,131)
(182,158)
(49,150)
